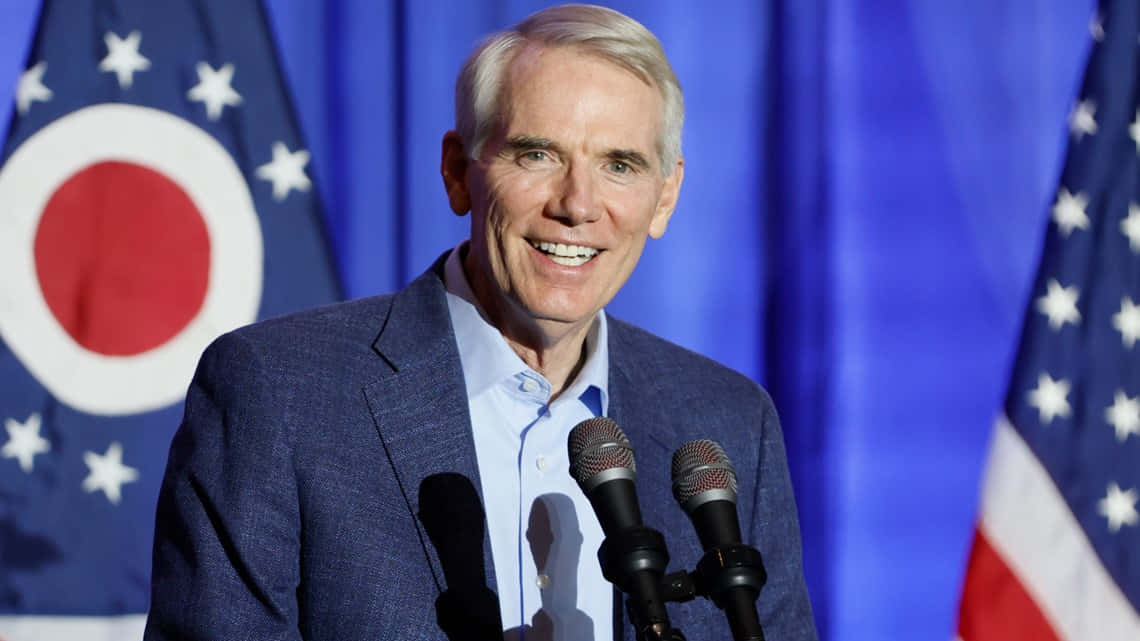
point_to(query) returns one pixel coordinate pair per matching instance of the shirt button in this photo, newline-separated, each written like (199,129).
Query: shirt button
(530,386)
(541,463)
(542,581)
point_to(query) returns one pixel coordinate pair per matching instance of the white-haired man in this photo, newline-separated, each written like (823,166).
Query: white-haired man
(335,469)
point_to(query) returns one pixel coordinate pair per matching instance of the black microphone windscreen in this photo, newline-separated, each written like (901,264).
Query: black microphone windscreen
(598,445)
(702,473)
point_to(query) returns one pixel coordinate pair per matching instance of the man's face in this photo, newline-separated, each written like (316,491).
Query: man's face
(566,191)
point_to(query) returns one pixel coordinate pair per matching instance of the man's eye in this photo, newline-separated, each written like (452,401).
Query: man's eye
(534,156)
(619,167)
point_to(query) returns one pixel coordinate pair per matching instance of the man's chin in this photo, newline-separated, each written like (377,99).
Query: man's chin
(549,315)
(560,318)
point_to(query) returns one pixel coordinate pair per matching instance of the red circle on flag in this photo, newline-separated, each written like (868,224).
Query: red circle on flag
(145,149)
(123,258)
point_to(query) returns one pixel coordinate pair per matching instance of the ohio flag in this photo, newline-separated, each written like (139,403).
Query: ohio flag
(154,193)
(1056,556)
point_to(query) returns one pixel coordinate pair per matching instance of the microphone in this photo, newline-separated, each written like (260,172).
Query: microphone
(731,574)
(633,557)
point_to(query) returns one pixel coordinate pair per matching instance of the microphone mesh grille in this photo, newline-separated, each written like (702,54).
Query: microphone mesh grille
(596,445)
(700,466)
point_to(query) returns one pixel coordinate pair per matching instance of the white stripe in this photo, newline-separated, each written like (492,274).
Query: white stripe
(1028,522)
(36,628)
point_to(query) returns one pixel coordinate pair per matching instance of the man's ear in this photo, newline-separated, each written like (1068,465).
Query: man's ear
(667,202)
(453,168)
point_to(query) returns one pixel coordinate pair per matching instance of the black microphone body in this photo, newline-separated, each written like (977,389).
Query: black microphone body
(633,557)
(730,573)
(716,523)
(615,504)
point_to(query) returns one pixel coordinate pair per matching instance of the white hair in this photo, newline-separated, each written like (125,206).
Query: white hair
(593,30)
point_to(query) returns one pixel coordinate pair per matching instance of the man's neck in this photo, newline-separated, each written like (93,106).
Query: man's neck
(555,349)
(558,360)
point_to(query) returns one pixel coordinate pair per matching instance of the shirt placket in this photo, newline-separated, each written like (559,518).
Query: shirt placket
(531,465)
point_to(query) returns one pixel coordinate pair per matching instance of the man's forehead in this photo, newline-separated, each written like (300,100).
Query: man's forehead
(522,90)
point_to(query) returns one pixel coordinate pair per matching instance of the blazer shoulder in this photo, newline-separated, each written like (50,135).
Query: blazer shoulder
(362,315)
(660,363)
(328,341)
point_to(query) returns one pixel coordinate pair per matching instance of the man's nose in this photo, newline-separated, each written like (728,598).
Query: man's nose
(577,198)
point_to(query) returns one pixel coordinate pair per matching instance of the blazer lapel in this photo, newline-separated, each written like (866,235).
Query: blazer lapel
(419,402)
(632,407)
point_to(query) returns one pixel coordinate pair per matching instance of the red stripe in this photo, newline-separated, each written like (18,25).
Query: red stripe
(995,606)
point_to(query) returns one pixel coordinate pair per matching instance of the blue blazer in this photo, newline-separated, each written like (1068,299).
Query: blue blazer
(289,505)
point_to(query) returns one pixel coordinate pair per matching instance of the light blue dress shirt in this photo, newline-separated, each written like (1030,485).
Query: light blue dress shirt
(543,532)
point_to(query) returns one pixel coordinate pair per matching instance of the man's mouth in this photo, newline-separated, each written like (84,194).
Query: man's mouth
(569,255)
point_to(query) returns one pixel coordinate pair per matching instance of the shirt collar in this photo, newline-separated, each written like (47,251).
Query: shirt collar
(488,360)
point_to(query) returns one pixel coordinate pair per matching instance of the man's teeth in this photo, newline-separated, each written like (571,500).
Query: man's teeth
(572,255)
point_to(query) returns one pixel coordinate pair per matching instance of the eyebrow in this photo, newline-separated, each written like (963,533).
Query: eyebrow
(630,157)
(522,143)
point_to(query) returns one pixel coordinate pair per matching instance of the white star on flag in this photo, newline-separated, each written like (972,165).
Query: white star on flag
(1130,227)
(1119,507)
(123,57)
(214,90)
(1069,211)
(1124,415)
(24,441)
(1127,322)
(1050,398)
(31,87)
(286,171)
(1060,304)
(1134,131)
(1081,120)
(108,473)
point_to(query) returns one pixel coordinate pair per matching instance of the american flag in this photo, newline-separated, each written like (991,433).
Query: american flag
(154,192)
(1056,554)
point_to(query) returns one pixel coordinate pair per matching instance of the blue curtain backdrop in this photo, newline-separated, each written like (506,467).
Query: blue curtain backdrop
(867,184)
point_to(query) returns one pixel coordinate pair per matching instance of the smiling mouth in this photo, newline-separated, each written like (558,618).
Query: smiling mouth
(569,255)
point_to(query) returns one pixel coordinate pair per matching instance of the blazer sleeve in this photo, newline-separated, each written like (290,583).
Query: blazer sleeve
(227,534)
(783,607)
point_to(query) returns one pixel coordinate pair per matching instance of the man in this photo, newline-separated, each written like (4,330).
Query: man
(330,477)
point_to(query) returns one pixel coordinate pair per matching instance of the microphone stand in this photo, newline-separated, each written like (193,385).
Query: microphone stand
(633,556)
(643,632)
(731,577)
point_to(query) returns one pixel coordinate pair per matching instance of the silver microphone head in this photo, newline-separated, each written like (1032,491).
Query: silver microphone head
(702,473)
(599,452)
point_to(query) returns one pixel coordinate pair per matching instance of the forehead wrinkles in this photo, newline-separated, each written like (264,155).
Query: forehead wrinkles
(521,70)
